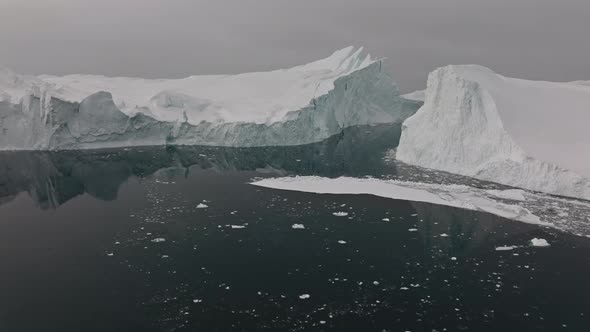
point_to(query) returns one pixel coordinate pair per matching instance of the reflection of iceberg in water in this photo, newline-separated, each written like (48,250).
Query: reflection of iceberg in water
(53,178)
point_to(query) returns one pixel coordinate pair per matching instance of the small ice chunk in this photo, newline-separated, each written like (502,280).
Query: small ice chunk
(298,226)
(412,230)
(505,248)
(385,219)
(444,235)
(197,301)
(202,206)
(341,241)
(237,226)
(159,239)
(376,283)
(403,288)
(304,296)
(453,258)
(340,214)
(110,254)
(539,243)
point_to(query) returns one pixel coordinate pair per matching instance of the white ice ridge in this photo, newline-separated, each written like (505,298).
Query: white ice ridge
(298,105)
(262,98)
(527,134)
(459,196)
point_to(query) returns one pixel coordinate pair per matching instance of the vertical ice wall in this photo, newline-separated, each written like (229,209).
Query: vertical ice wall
(472,124)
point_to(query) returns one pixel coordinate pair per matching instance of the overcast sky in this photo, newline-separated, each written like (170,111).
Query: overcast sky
(536,39)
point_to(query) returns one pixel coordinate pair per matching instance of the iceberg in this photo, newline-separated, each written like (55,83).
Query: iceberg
(300,105)
(521,133)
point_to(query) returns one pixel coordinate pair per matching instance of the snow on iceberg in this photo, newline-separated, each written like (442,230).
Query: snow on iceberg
(303,104)
(521,133)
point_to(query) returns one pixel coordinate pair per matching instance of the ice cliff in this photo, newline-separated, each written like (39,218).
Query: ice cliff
(521,133)
(293,106)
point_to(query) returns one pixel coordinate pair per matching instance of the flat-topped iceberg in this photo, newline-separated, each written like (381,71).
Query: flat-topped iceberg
(293,106)
(521,133)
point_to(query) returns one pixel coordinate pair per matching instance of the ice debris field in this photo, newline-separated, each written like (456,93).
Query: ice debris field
(521,205)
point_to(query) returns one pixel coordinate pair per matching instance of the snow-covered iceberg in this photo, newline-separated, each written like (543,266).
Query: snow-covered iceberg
(527,134)
(293,106)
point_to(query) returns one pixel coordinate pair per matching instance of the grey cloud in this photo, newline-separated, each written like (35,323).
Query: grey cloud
(537,39)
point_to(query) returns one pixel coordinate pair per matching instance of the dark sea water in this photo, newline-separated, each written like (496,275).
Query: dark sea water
(113,240)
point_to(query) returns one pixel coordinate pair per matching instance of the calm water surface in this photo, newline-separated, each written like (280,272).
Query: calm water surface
(113,240)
